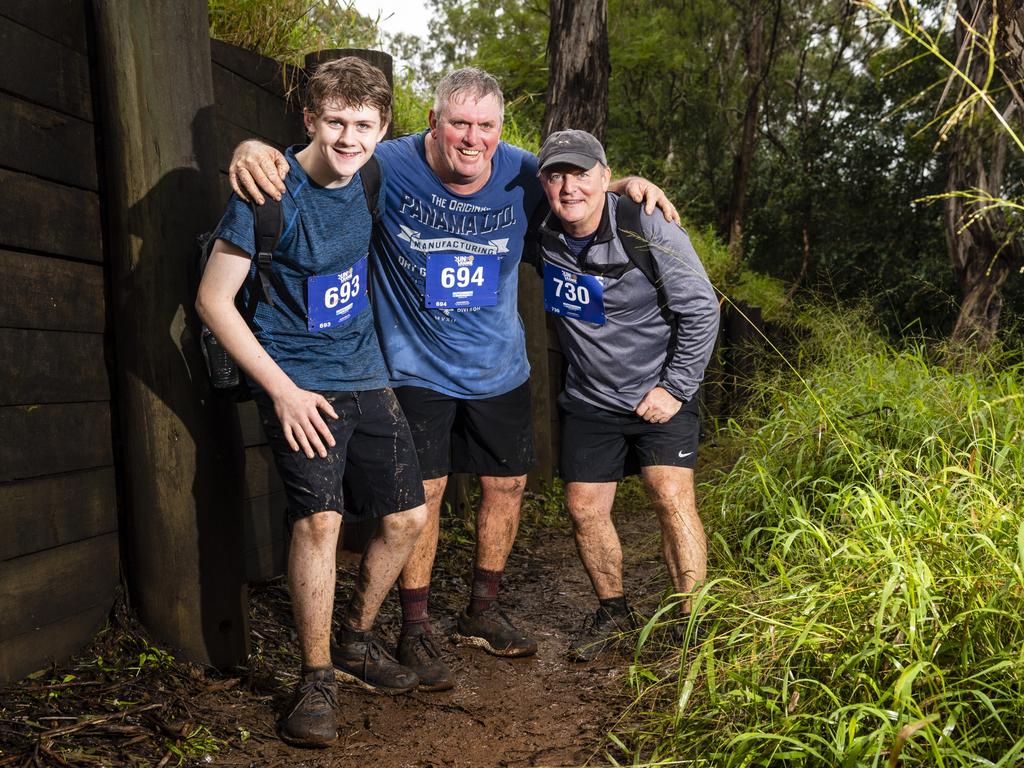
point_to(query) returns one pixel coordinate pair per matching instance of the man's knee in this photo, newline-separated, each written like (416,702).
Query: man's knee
(508,487)
(320,528)
(405,524)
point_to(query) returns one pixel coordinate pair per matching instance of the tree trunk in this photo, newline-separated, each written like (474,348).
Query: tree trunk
(743,159)
(981,244)
(180,462)
(579,66)
(1010,39)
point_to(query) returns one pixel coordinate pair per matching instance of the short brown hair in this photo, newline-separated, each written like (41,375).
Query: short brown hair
(352,82)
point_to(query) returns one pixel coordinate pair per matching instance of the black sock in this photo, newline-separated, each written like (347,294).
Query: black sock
(615,605)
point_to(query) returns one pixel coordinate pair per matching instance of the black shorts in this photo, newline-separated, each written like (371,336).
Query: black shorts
(601,446)
(490,437)
(372,436)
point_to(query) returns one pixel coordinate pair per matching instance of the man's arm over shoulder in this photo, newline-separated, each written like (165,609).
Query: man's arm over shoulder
(691,300)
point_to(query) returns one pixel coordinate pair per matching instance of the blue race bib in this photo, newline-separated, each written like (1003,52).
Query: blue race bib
(574,295)
(336,299)
(457,280)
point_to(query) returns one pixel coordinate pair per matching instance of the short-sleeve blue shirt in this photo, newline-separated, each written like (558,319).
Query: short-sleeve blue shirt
(469,353)
(326,231)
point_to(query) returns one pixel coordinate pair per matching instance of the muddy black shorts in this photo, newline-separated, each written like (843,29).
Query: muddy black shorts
(372,436)
(601,446)
(490,437)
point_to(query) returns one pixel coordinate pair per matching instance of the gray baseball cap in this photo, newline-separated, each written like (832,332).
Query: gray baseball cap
(572,147)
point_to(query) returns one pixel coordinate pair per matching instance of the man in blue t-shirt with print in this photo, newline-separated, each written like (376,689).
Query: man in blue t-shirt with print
(445,282)
(315,366)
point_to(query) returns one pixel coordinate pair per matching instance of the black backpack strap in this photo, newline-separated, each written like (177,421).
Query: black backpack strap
(268,223)
(531,240)
(370,175)
(630,231)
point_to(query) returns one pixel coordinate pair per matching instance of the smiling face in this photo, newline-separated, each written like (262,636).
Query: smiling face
(342,139)
(576,195)
(462,140)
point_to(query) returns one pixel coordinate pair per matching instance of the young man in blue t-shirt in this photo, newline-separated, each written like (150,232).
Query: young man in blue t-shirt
(314,362)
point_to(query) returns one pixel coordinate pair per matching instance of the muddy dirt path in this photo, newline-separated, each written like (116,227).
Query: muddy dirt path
(539,711)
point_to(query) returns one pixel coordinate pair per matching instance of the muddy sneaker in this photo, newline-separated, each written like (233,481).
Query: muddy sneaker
(492,631)
(311,719)
(418,651)
(361,659)
(678,630)
(601,631)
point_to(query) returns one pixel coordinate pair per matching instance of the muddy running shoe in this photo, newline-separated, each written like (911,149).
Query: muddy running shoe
(602,631)
(311,719)
(681,626)
(418,651)
(492,631)
(361,659)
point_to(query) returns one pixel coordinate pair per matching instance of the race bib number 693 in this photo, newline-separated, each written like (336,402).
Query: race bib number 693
(336,299)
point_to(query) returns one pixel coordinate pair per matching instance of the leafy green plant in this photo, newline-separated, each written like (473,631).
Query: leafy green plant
(866,605)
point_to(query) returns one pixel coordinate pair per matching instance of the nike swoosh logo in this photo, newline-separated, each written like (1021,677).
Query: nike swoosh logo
(684,455)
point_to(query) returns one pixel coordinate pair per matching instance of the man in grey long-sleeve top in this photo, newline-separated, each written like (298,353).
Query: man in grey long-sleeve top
(636,355)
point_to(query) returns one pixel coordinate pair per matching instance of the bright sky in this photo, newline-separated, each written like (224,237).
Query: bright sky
(407,16)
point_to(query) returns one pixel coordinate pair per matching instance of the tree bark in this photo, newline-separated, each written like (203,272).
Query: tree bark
(180,461)
(579,67)
(981,244)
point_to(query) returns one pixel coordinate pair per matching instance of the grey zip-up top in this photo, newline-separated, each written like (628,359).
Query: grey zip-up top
(614,365)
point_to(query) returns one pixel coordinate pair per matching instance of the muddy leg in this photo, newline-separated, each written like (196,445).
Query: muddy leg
(683,543)
(590,506)
(498,520)
(382,561)
(416,572)
(311,577)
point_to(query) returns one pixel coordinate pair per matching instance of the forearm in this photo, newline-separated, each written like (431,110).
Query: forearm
(231,330)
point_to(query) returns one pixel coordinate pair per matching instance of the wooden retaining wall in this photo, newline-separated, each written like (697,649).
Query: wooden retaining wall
(59,552)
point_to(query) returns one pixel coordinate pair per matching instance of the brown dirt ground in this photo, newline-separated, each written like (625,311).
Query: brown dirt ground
(111,707)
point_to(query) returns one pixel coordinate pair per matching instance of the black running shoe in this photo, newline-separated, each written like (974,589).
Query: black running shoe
(492,631)
(602,631)
(418,651)
(311,719)
(361,659)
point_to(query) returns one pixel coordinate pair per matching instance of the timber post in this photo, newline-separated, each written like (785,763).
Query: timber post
(180,452)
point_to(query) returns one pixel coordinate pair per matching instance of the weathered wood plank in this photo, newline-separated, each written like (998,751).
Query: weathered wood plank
(266,550)
(43,71)
(250,107)
(252,426)
(230,136)
(51,293)
(46,143)
(50,511)
(39,589)
(51,367)
(261,476)
(273,76)
(531,309)
(26,653)
(44,216)
(60,20)
(49,439)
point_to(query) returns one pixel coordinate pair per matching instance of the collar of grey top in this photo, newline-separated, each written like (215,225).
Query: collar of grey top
(611,261)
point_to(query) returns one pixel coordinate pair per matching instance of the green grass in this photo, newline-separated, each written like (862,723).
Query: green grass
(866,597)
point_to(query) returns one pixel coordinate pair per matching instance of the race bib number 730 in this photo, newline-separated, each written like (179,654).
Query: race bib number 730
(572,294)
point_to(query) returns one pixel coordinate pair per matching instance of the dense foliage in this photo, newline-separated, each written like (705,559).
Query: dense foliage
(867,591)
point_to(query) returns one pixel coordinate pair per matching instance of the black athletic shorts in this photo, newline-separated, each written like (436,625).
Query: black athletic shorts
(490,437)
(372,436)
(601,446)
